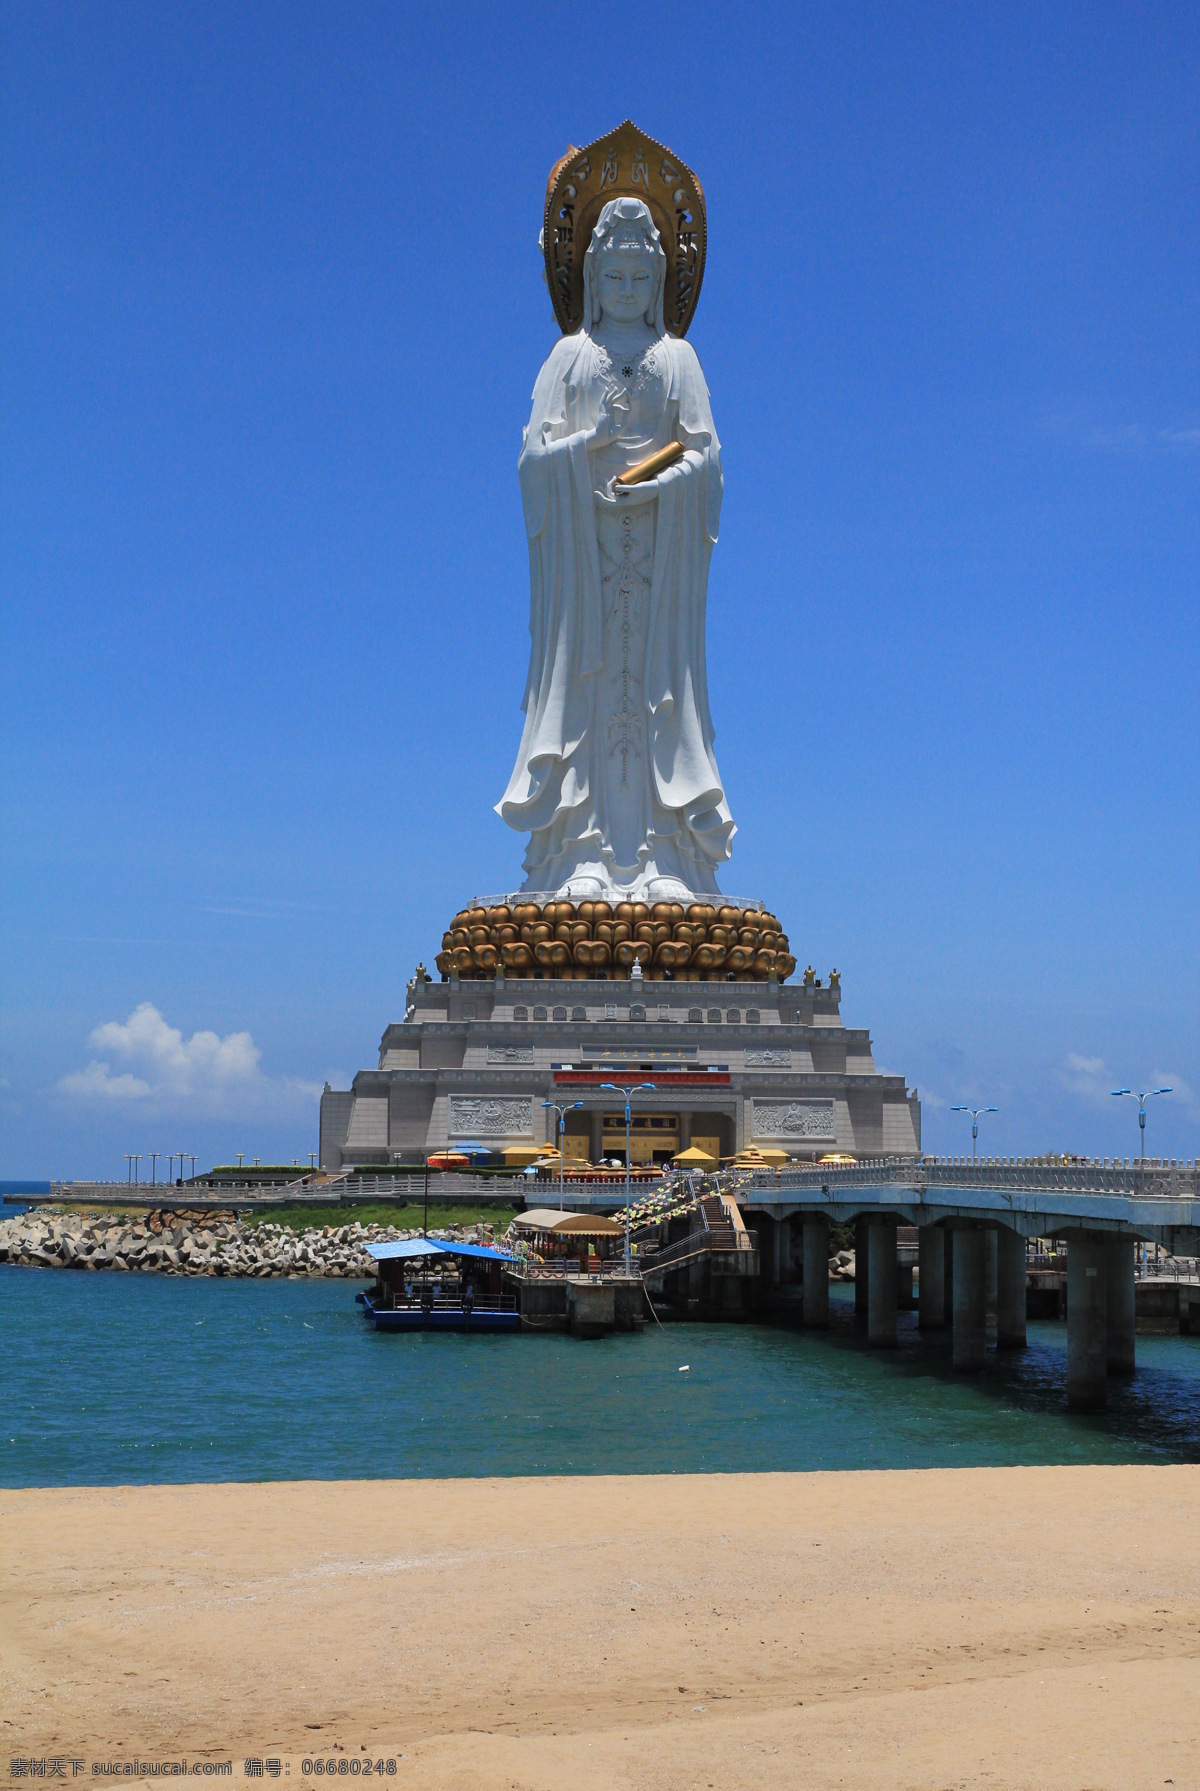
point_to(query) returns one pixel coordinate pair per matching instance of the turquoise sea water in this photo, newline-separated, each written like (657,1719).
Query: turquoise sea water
(109,1379)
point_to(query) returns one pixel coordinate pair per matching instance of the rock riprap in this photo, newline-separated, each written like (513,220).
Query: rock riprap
(173,1245)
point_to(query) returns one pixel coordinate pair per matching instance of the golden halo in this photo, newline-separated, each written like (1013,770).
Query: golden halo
(624,164)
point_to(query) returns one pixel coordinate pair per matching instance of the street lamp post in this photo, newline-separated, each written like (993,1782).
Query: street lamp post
(562,1108)
(618,1088)
(974,1112)
(1141,1100)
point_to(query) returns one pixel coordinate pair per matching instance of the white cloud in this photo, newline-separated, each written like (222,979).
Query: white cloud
(154,1063)
(1091,1078)
(179,1065)
(1134,438)
(1181,1090)
(1087,1076)
(99,1082)
(1117,438)
(1127,438)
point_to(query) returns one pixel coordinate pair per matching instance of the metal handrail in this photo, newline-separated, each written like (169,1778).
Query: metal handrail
(1168,1268)
(450,1303)
(559,1268)
(697,1243)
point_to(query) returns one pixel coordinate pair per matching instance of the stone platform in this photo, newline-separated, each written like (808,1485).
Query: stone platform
(734,1063)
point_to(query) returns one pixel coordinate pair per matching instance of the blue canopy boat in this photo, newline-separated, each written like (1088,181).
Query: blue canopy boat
(412,1294)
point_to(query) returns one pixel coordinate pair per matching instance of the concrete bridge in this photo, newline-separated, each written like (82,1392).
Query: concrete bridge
(972,1215)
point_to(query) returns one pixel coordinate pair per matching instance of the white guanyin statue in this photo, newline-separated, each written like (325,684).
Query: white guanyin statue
(615,779)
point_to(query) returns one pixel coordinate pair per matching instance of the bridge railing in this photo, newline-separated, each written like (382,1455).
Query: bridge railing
(1158,1178)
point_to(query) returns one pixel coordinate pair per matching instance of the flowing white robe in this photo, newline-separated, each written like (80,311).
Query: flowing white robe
(622,800)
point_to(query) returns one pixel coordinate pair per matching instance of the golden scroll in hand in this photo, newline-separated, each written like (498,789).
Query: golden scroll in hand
(651,466)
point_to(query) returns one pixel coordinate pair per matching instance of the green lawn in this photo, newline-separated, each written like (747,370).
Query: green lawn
(301,1216)
(378,1212)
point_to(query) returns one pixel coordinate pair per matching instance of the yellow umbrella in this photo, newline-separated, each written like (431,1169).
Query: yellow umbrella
(694,1155)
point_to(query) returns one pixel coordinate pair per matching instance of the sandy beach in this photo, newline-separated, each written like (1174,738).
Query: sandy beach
(1002,1627)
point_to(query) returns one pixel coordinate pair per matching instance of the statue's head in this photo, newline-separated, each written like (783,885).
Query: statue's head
(624,269)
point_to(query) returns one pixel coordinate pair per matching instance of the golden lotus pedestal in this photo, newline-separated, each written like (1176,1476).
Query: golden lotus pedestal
(699,942)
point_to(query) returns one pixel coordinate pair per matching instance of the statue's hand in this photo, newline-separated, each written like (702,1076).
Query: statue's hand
(619,497)
(646,490)
(614,414)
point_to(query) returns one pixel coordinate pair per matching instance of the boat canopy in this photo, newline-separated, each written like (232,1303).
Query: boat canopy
(591,1225)
(543,1218)
(413,1247)
(538,1218)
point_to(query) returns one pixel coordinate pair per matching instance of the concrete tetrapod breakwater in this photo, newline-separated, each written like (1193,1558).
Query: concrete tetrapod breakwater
(172,1244)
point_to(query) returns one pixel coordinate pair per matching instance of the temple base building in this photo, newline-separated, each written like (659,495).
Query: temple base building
(733,1064)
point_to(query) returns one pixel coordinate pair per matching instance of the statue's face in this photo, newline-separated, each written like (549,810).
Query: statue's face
(626,284)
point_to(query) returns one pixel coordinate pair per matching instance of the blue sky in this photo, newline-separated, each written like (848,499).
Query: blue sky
(272,311)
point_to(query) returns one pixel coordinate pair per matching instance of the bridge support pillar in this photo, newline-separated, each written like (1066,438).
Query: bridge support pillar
(970,1312)
(862,1255)
(931,1278)
(992,1280)
(771,1248)
(783,1251)
(816,1272)
(1010,1289)
(1121,1304)
(1087,1321)
(948,1275)
(881,1284)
